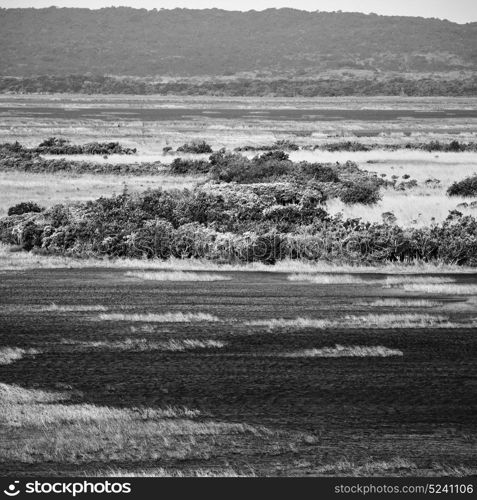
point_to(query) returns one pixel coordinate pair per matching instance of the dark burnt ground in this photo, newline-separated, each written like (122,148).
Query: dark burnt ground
(420,407)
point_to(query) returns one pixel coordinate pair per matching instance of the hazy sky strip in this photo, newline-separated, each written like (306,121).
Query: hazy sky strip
(461,11)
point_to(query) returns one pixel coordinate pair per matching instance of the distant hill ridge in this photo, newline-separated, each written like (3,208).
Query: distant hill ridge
(182,42)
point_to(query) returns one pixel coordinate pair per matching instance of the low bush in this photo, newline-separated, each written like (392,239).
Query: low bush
(351,146)
(195,147)
(365,194)
(59,146)
(283,145)
(24,208)
(466,187)
(182,167)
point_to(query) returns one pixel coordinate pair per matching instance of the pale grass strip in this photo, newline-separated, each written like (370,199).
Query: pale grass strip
(18,395)
(176,276)
(398,302)
(9,355)
(331,279)
(384,321)
(172,345)
(340,351)
(52,308)
(161,472)
(161,318)
(450,289)
(347,467)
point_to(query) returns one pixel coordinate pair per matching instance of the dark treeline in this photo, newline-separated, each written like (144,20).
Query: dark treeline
(88,84)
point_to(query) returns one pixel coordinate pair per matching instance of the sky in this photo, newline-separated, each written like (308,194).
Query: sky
(461,11)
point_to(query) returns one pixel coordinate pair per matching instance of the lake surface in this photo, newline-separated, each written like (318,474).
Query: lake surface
(184,114)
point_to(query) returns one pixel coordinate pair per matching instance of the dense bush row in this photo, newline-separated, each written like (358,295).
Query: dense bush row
(281,87)
(13,157)
(60,146)
(431,146)
(230,222)
(354,146)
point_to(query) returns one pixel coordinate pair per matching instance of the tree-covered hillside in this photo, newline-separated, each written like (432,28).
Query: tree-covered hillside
(126,41)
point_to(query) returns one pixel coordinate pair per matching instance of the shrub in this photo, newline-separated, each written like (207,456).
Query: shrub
(466,187)
(195,147)
(365,194)
(318,172)
(351,146)
(24,208)
(233,167)
(182,167)
(403,186)
(283,145)
(59,146)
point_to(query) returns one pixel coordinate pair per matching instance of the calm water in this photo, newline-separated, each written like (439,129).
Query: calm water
(166,114)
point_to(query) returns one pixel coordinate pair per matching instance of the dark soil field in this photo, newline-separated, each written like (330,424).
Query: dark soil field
(408,414)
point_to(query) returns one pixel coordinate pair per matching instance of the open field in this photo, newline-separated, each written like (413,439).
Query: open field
(146,386)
